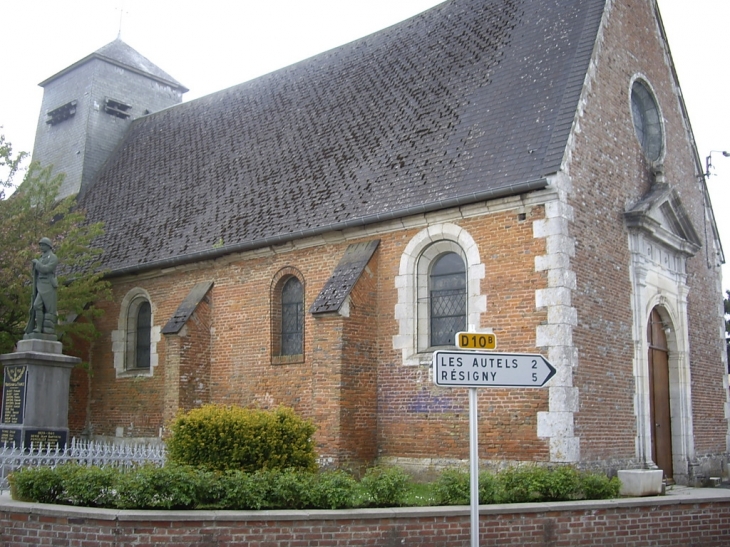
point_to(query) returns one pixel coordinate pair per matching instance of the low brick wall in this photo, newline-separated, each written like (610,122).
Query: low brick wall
(697,519)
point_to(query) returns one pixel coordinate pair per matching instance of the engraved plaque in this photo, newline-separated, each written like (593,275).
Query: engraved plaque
(44,437)
(10,437)
(14,385)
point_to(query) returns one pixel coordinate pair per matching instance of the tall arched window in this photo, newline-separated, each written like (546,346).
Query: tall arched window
(418,310)
(134,343)
(447,296)
(292,317)
(139,334)
(144,335)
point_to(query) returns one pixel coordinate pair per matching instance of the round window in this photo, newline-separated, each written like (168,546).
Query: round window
(647,122)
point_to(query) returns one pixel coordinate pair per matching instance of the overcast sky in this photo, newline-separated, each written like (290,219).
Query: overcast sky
(213,44)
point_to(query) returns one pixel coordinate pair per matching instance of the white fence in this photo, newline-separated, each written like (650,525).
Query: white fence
(78,451)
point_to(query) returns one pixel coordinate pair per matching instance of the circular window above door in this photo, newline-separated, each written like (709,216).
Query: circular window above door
(647,120)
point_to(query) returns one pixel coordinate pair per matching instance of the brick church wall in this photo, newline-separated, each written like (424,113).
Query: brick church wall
(187,367)
(609,174)
(416,419)
(351,382)
(359,398)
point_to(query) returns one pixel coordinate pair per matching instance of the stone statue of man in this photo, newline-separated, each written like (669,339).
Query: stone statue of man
(43,300)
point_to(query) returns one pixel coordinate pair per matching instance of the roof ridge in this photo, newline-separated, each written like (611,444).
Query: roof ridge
(118,52)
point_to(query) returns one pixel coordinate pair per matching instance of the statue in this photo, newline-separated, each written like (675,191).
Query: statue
(43,300)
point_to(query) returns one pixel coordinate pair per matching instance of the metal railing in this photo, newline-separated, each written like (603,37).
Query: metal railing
(78,451)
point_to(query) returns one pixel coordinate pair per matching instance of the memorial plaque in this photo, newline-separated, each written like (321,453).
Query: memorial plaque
(10,437)
(15,381)
(45,437)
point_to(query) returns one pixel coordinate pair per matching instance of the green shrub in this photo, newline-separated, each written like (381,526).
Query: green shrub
(560,484)
(243,491)
(37,484)
(150,487)
(333,490)
(181,487)
(453,487)
(290,489)
(519,484)
(488,485)
(225,438)
(597,486)
(90,486)
(384,487)
(534,483)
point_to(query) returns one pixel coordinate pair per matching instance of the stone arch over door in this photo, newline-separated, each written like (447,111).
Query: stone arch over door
(663,391)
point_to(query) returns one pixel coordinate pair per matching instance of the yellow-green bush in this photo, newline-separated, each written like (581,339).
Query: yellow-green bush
(224,438)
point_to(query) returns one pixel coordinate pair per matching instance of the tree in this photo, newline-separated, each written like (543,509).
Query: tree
(30,213)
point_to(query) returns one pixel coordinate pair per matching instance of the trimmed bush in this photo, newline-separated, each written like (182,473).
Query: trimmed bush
(223,438)
(181,487)
(89,486)
(525,484)
(384,487)
(453,488)
(488,487)
(237,490)
(560,484)
(333,490)
(597,486)
(37,484)
(150,487)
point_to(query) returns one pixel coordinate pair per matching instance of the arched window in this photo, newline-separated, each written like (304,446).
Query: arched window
(139,334)
(292,317)
(144,336)
(287,317)
(447,295)
(439,291)
(134,343)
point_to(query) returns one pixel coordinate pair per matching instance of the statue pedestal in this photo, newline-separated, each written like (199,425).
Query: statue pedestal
(36,384)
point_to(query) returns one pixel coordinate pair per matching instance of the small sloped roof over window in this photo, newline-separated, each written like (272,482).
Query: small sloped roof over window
(470,100)
(343,279)
(187,307)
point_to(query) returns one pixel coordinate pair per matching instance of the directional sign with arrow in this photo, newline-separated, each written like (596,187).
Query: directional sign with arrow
(488,369)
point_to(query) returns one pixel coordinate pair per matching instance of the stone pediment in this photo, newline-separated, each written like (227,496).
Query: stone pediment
(661,215)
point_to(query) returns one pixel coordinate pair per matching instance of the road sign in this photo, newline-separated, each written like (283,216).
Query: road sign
(476,340)
(488,369)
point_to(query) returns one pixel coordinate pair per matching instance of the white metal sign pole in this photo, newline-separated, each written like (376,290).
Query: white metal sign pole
(475,369)
(474,466)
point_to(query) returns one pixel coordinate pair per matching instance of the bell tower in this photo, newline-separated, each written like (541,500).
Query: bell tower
(88,107)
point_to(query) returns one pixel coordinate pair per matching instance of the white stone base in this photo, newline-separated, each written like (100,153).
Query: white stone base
(640,482)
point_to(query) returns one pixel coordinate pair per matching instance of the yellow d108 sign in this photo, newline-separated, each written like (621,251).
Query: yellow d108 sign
(476,340)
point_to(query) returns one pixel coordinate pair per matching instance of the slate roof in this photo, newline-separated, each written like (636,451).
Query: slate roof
(120,54)
(469,100)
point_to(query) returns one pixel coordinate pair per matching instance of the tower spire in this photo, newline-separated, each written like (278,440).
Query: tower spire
(122,11)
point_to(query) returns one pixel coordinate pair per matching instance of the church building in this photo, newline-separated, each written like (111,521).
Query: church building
(309,238)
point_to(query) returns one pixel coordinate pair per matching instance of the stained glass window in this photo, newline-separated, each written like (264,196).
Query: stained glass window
(292,317)
(447,290)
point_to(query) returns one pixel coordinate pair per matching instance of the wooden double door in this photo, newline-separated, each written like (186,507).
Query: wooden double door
(661,416)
